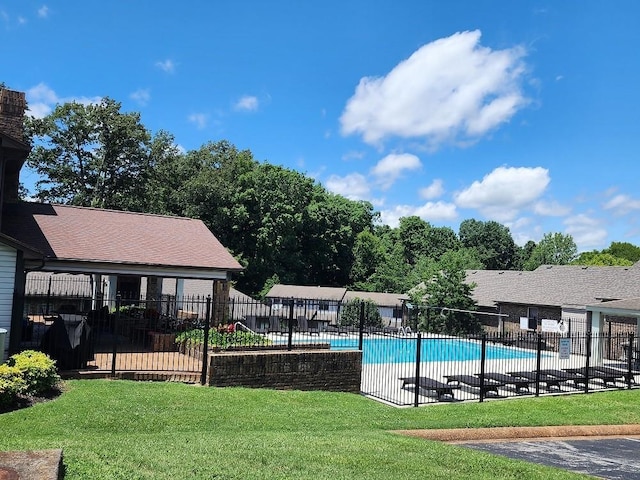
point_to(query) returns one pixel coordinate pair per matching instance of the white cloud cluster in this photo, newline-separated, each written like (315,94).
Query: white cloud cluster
(622,204)
(430,211)
(503,192)
(586,231)
(200,120)
(392,167)
(354,186)
(434,190)
(42,99)
(247,103)
(167,65)
(450,89)
(141,96)
(43,11)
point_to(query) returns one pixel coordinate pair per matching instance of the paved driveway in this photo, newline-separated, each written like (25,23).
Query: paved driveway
(611,458)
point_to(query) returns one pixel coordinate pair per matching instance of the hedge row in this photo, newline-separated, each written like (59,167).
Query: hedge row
(28,373)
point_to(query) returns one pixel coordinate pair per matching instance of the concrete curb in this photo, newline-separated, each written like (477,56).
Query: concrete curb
(455,435)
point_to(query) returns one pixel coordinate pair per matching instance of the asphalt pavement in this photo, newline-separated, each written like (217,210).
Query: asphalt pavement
(609,458)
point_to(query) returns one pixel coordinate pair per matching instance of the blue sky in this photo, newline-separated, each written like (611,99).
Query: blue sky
(527,113)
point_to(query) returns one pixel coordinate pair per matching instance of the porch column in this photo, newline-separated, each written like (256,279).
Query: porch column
(112,288)
(97,296)
(596,319)
(179,294)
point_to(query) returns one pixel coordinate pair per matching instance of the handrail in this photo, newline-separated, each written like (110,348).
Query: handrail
(244,327)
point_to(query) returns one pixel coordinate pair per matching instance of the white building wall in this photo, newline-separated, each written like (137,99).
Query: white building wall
(7,283)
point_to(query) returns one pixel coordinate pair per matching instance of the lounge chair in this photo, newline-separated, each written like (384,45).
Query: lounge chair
(485,387)
(548,380)
(608,378)
(426,383)
(576,378)
(629,376)
(521,385)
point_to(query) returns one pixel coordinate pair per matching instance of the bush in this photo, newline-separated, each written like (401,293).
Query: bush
(12,383)
(221,339)
(37,369)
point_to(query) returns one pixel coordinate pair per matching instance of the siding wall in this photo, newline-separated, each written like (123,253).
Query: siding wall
(7,281)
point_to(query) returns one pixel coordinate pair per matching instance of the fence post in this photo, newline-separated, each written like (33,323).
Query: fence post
(483,355)
(116,325)
(416,393)
(538,363)
(361,326)
(290,340)
(205,344)
(587,361)
(630,361)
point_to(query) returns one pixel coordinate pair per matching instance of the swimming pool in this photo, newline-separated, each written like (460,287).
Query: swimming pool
(433,349)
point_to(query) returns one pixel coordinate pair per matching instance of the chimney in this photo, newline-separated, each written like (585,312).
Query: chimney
(12,107)
(15,149)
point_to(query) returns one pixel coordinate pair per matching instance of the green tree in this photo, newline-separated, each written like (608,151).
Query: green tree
(367,257)
(624,250)
(601,259)
(492,240)
(553,249)
(350,313)
(523,254)
(444,299)
(91,155)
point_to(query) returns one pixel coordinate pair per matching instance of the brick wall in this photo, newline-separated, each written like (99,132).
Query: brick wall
(12,107)
(337,371)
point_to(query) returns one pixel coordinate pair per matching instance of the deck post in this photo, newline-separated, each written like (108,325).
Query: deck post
(116,325)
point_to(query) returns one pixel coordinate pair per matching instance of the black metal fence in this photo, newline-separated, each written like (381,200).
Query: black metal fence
(172,336)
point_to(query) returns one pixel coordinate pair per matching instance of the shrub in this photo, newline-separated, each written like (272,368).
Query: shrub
(222,339)
(38,371)
(12,383)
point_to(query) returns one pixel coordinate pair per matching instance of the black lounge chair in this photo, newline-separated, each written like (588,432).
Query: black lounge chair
(521,385)
(548,380)
(629,376)
(609,378)
(484,387)
(576,378)
(426,383)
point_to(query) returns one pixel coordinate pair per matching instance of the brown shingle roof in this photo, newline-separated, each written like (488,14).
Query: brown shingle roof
(301,291)
(380,299)
(65,232)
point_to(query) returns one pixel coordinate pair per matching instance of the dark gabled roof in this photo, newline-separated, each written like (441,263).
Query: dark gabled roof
(554,285)
(68,233)
(380,299)
(310,293)
(28,251)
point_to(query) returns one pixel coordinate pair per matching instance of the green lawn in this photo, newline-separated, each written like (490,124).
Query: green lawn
(136,430)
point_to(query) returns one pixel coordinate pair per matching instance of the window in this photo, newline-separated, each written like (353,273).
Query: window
(323,305)
(532,313)
(397,312)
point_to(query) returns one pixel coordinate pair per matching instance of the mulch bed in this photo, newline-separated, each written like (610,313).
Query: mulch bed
(26,401)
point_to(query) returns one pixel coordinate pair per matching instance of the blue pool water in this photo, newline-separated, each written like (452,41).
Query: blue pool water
(399,350)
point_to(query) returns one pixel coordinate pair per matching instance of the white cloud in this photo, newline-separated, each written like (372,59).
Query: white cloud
(622,204)
(551,209)
(432,191)
(430,211)
(42,99)
(43,11)
(353,155)
(388,170)
(199,119)
(504,191)
(247,103)
(22,20)
(353,186)
(450,89)
(587,232)
(141,96)
(166,65)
